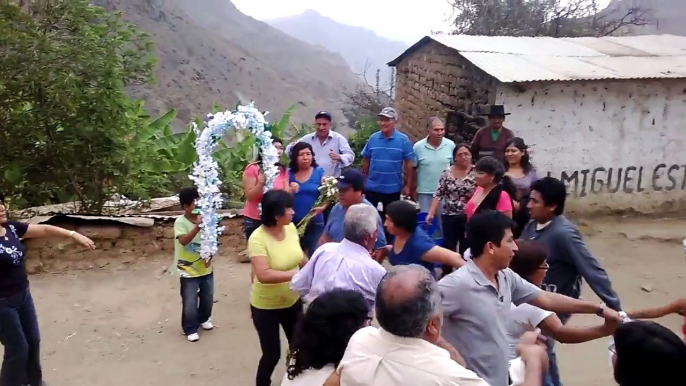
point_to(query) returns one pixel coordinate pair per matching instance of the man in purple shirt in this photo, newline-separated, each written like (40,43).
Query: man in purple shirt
(331,150)
(345,265)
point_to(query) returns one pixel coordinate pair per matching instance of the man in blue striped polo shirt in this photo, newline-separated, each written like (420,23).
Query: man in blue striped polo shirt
(386,156)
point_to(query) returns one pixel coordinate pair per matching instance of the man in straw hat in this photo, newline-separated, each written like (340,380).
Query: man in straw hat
(490,140)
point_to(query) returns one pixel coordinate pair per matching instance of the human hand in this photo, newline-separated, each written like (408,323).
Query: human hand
(319,210)
(533,337)
(534,355)
(679,306)
(294,187)
(406,191)
(261,179)
(83,240)
(429,219)
(611,315)
(334,156)
(611,325)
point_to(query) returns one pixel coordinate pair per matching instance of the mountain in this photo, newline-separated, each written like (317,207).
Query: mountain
(360,47)
(667,16)
(209,52)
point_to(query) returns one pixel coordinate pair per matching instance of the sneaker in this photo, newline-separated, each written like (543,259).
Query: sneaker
(207,325)
(193,337)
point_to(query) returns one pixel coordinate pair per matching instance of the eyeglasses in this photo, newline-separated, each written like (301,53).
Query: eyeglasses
(462,155)
(612,349)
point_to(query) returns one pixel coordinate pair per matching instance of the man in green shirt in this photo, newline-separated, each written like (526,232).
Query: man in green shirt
(197,280)
(432,155)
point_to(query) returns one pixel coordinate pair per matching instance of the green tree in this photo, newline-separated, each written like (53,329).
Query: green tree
(65,119)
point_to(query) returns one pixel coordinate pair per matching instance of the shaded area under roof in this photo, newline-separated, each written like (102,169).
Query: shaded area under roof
(536,59)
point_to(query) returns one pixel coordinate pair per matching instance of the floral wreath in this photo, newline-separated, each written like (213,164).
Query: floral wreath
(205,172)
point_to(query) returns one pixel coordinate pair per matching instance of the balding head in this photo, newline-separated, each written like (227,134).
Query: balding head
(407,300)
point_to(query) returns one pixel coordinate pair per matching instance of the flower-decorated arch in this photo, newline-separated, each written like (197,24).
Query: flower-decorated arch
(205,172)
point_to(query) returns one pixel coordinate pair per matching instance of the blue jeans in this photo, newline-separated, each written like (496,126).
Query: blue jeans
(197,298)
(424,201)
(552,377)
(311,237)
(20,335)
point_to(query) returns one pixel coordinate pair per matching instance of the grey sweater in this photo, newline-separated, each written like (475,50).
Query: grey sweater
(570,262)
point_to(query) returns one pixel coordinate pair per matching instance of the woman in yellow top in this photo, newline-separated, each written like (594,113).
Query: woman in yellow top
(276,256)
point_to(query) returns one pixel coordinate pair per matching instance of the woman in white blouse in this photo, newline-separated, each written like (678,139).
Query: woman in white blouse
(322,337)
(529,262)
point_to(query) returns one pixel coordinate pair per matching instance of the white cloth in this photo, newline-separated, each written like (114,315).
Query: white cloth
(310,377)
(517,372)
(375,357)
(521,319)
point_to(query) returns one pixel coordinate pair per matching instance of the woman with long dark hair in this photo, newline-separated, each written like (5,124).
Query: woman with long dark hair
(494,190)
(322,336)
(522,173)
(305,177)
(19,331)
(253,188)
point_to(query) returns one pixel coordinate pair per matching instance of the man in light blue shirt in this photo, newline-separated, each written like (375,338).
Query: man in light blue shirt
(350,192)
(387,156)
(331,150)
(432,155)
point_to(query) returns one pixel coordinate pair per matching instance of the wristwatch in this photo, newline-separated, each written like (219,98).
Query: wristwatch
(601,310)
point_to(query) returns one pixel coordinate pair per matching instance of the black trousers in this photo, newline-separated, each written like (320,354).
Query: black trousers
(267,323)
(454,235)
(385,199)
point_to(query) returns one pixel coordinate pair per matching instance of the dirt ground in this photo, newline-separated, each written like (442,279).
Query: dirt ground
(120,324)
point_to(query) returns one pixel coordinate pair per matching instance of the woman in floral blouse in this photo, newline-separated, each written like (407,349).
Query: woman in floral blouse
(455,188)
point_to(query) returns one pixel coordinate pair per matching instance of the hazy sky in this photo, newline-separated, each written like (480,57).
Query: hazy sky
(404,20)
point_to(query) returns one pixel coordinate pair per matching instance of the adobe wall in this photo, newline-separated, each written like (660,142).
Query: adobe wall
(119,244)
(435,80)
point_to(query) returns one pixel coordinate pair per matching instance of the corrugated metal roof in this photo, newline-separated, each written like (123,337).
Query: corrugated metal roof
(534,59)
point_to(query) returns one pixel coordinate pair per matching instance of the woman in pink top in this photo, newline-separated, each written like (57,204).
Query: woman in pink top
(494,190)
(253,186)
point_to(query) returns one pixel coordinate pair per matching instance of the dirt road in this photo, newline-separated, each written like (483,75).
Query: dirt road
(120,325)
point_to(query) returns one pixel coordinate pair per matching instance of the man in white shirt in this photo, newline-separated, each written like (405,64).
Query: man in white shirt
(404,351)
(345,265)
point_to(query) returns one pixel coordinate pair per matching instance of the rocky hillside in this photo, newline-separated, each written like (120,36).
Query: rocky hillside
(210,52)
(667,16)
(360,47)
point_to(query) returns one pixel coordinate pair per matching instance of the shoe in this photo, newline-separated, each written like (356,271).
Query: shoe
(207,325)
(193,337)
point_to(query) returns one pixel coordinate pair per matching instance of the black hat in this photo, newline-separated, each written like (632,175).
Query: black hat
(495,110)
(351,178)
(324,114)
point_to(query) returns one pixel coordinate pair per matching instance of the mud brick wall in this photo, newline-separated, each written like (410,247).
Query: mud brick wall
(436,81)
(118,244)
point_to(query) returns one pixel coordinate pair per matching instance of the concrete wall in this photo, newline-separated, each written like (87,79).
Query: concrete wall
(433,81)
(621,145)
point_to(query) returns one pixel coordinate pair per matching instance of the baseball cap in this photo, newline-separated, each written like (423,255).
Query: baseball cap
(351,178)
(323,114)
(388,112)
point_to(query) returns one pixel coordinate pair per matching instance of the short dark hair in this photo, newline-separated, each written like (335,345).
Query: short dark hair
(460,146)
(187,196)
(274,204)
(553,192)
(531,254)
(403,214)
(484,227)
(492,166)
(322,335)
(642,345)
(295,150)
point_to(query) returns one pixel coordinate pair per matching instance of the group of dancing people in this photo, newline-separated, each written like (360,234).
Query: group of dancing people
(484,306)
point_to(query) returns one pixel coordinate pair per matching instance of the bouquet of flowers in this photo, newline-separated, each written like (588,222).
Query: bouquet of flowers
(328,194)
